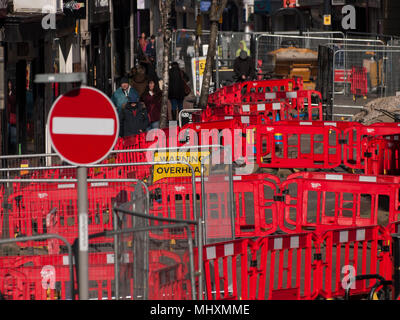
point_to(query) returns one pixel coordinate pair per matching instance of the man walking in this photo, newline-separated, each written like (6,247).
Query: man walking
(120,96)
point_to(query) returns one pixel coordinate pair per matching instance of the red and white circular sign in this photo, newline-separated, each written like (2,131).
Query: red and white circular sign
(83,126)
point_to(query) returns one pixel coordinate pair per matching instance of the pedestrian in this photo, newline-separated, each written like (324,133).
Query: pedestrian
(152,98)
(139,80)
(120,96)
(12,118)
(133,119)
(177,89)
(151,50)
(143,42)
(243,67)
(242,47)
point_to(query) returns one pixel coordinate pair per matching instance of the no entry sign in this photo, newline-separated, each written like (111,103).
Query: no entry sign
(83,126)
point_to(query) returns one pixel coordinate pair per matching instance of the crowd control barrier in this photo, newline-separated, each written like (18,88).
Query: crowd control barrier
(301,266)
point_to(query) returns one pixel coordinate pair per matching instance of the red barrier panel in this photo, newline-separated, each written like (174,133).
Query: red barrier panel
(353,155)
(359,83)
(301,100)
(300,266)
(21,277)
(292,144)
(256,209)
(221,263)
(321,200)
(350,252)
(282,268)
(234,92)
(381,155)
(54,210)
(252,114)
(168,276)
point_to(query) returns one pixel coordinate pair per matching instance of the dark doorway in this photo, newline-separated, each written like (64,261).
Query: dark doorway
(230,17)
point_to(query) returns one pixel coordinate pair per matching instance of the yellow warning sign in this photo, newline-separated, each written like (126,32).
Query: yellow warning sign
(178,170)
(327,20)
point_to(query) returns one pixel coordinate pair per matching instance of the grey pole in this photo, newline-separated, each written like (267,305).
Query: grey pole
(116,254)
(83,233)
(112,43)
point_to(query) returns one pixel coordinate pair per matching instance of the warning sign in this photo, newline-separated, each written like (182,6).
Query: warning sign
(327,20)
(178,170)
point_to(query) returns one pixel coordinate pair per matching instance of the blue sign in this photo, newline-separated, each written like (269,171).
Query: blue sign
(205,6)
(262,6)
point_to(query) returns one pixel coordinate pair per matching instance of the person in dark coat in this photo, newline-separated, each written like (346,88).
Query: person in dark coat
(133,118)
(176,90)
(152,99)
(151,50)
(243,67)
(139,79)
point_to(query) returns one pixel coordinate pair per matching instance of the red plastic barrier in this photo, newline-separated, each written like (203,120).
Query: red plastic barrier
(169,283)
(252,114)
(381,155)
(292,144)
(168,276)
(353,137)
(256,210)
(282,268)
(234,92)
(322,200)
(351,252)
(21,277)
(359,83)
(54,210)
(300,100)
(300,266)
(223,279)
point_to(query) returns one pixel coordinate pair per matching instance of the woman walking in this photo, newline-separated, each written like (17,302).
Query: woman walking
(177,91)
(152,99)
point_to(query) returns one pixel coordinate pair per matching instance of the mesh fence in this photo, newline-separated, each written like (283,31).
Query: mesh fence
(289,55)
(183,48)
(150,267)
(364,73)
(217,196)
(32,272)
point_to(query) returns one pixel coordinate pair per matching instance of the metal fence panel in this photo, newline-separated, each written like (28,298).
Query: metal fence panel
(362,74)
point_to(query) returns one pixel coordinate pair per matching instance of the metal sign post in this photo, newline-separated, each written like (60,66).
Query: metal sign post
(81,136)
(83,234)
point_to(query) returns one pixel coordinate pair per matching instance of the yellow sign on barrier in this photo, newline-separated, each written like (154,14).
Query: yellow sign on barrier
(177,170)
